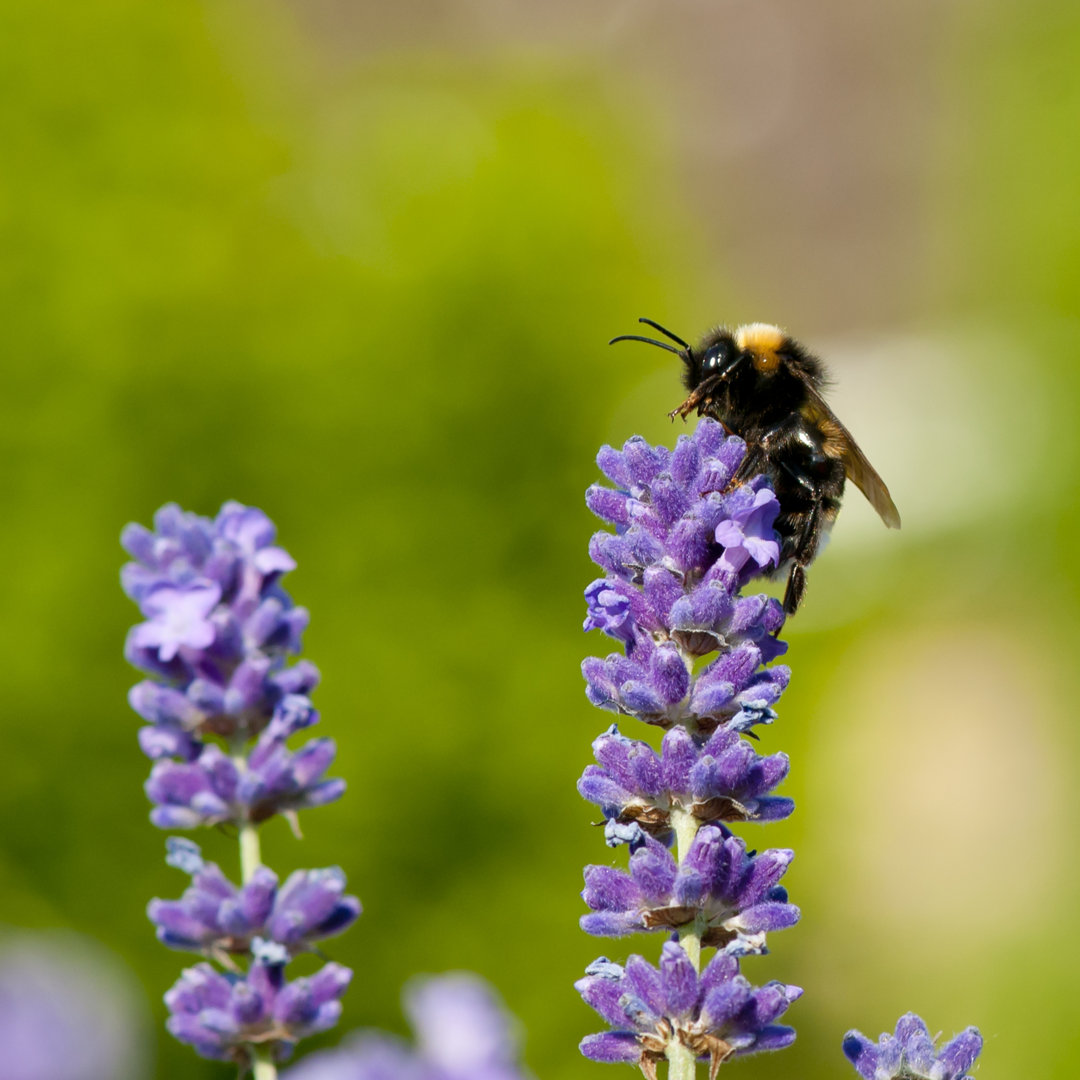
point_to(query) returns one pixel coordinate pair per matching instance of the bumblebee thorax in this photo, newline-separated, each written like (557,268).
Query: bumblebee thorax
(763,341)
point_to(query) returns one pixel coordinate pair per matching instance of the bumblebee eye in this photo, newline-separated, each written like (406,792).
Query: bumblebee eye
(717,358)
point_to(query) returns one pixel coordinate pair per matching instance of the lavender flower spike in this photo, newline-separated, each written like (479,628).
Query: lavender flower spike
(697,661)
(909,1054)
(220,705)
(218,633)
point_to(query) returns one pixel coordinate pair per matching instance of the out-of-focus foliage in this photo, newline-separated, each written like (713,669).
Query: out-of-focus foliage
(371,298)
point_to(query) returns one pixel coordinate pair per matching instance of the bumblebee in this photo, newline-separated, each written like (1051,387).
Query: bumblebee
(765,387)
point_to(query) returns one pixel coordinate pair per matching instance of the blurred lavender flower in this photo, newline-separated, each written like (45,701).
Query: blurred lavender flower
(462,1033)
(220,706)
(683,549)
(68,1011)
(909,1054)
(716,1015)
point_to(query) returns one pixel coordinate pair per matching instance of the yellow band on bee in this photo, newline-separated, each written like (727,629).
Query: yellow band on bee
(763,340)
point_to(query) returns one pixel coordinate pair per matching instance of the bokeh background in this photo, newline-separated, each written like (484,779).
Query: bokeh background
(356,263)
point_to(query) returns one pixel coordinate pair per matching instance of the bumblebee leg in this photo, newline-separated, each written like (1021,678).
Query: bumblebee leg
(754,462)
(805,541)
(802,480)
(697,400)
(701,396)
(796,587)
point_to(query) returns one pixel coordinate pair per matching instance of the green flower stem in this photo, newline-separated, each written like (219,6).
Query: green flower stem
(262,1065)
(682,1064)
(686,827)
(250,853)
(262,1061)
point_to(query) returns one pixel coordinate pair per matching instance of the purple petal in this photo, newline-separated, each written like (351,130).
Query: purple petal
(608,889)
(653,870)
(959,1054)
(668,675)
(678,755)
(643,981)
(680,980)
(612,1047)
(862,1053)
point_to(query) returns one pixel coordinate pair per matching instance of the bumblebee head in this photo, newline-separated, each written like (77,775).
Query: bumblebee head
(762,344)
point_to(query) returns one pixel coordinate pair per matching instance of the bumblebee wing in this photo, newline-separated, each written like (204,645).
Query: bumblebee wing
(858,470)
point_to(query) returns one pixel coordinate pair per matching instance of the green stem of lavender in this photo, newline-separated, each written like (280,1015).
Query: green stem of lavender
(262,1061)
(262,1064)
(250,853)
(682,1063)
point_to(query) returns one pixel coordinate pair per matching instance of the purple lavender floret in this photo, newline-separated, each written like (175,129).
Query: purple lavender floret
(219,627)
(462,1033)
(683,548)
(909,1054)
(717,1015)
(216,918)
(223,1015)
(218,632)
(676,524)
(731,898)
(213,789)
(722,779)
(654,685)
(746,534)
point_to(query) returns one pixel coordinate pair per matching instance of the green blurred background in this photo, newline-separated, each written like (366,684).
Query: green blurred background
(356,264)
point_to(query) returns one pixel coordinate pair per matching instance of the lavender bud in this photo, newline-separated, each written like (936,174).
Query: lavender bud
(909,1054)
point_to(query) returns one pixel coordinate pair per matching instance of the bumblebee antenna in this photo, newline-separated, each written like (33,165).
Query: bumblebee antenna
(663,330)
(648,341)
